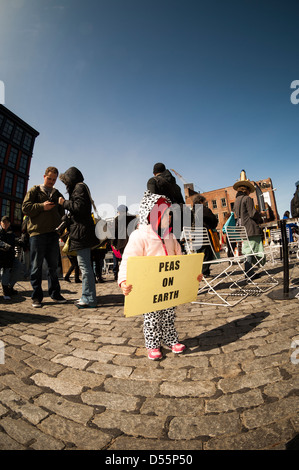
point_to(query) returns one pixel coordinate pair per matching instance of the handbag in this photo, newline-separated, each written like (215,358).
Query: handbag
(66,248)
(215,240)
(101,226)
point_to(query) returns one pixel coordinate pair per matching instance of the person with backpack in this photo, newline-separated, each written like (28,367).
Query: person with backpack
(295,202)
(41,206)
(164,183)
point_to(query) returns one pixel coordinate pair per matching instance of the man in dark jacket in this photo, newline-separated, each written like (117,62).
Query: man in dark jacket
(164,183)
(295,202)
(81,231)
(8,262)
(123,225)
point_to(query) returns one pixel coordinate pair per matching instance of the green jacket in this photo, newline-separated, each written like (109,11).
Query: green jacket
(41,221)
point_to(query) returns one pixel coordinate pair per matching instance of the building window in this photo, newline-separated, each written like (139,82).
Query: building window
(12,159)
(3,149)
(20,188)
(223,202)
(23,163)
(18,134)
(17,218)
(8,182)
(27,141)
(5,208)
(214,204)
(7,129)
(1,119)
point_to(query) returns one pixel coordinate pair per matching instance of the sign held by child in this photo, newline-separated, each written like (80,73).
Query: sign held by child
(160,282)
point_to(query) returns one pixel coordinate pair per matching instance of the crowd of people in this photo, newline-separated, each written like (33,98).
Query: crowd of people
(49,216)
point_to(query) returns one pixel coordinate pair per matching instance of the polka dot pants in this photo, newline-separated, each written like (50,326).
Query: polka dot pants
(158,328)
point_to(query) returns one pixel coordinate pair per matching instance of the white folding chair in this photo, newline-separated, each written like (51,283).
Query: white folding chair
(215,291)
(238,234)
(108,262)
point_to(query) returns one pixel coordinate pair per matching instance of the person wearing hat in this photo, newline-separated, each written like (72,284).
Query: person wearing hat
(123,225)
(250,218)
(295,202)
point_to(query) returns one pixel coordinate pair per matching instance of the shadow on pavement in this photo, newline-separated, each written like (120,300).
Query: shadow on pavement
(10,318)
(225,334)
(111,300)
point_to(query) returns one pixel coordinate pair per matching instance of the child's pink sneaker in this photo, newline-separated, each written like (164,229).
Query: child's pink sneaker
(178,348)
(154,354)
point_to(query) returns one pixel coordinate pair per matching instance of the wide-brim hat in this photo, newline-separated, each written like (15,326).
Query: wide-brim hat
(243,181)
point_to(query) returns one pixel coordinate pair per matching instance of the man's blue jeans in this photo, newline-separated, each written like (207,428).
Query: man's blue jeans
(88,280)
(44,246)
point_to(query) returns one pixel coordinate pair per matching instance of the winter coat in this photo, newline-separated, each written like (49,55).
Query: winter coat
(7,245)
(204,217)
(145,240)
(295,204)
(41,221)
(165,184)
(123,225)
(248,215)
(81,226)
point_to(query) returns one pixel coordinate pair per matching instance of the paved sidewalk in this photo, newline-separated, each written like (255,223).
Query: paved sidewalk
(80,379)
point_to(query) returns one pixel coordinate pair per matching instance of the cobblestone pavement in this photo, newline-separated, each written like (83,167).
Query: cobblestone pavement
(80,379)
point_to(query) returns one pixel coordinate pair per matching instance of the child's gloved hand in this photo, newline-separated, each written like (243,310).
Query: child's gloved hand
(126,288)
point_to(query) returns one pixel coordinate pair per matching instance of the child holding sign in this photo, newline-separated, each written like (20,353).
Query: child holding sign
(153,238)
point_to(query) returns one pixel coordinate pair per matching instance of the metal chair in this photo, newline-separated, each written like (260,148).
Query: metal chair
(108,262)
(238,234)
(215,289)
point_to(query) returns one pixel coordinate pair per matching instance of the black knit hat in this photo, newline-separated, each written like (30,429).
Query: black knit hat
(159,168)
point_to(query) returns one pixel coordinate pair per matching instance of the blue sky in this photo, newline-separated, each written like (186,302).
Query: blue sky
(114,86)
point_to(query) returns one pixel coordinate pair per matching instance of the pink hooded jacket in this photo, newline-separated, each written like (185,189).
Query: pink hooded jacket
(145,241)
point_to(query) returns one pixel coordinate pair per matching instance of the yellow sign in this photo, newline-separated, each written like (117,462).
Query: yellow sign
(161,282)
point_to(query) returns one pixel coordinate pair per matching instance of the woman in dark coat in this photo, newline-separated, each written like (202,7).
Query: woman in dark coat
(204,217)
(81,231)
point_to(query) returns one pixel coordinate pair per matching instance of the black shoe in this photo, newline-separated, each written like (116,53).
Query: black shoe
(12,291)
(59,299)
(67,279)
(78,281)
(36,303)
(256,276)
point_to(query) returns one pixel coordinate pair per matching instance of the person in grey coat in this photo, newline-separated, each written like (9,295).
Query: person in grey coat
(250,218)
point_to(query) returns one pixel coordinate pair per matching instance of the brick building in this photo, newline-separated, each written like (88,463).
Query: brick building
(221,201)
(16,147)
